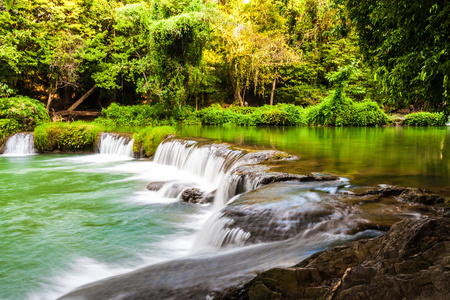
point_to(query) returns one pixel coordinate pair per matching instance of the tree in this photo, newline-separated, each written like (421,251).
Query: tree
(406,42)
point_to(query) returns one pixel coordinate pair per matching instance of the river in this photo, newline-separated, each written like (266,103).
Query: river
(68,220)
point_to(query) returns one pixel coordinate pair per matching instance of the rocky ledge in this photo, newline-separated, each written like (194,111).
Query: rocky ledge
(411,261)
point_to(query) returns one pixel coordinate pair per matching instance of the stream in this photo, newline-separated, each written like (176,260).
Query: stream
(71,220)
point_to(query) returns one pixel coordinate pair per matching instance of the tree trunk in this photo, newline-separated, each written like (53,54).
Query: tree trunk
(79,101)
(50,93)
(49,101)
(273,90)
(67,96)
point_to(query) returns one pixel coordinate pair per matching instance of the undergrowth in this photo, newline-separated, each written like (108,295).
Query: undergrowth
(149,138)
(75,136)
(425,119)
(20,114)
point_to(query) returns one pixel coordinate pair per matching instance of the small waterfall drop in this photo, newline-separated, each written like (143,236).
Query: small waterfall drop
(20,144)
(214,162)
(232,185)
(114,144)
(210,161)
(216,234)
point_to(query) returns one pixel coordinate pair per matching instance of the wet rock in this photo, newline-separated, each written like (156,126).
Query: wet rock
(411,261)
(209,197)
(3,147)
(268,155)
(192,195)
(263,175)
(422,197)
(155,186)
(266,225)
(403,194)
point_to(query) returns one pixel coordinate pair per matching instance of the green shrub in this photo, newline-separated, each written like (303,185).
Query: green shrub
(75,136)
(345,112)
(216,115)
(149,138)
(280,114)
(131,116)
(145,115)
(8,127)
(26,112)
(425,119)
(367,113)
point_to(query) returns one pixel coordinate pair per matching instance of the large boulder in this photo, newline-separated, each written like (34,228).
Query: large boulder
(411,261)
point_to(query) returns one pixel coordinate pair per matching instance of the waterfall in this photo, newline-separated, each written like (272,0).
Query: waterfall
(216,234)
(448,123)
(214,162)
(115,144)
(20,144)
(211,161)
(233,184)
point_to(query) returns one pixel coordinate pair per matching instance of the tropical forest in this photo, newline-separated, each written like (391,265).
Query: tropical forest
(224,149)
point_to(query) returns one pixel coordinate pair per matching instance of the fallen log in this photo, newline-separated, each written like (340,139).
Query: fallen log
(78,113)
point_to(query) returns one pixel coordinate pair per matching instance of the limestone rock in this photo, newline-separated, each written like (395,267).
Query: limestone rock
(155,185)
(411,261)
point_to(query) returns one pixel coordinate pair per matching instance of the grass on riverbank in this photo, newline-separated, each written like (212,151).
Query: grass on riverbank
(80,136)
(148,139)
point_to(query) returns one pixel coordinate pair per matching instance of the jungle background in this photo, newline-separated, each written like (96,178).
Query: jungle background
(180,55)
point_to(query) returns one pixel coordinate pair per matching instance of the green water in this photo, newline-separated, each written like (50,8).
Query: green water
(68,220)
(404,156)
(57,212)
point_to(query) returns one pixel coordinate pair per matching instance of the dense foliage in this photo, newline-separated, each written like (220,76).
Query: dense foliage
(25,111)
(174,55)
(335,110)
(407,44)
(79,136)
(173,52)
(425,119)
(20,114)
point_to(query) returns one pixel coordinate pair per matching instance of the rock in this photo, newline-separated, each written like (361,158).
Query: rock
(192,195)
(411,261)
(403,194)
(263,175)
(155,186)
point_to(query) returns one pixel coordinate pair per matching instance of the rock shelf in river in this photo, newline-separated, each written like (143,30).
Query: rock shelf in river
(411,261)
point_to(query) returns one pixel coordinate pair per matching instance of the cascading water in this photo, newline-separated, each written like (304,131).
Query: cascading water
(114,144)
(209,161)
(20,144)
(214,162)
(252,226)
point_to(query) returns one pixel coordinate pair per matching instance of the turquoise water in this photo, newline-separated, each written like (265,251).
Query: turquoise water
(64,215)
(405,156)
(68,220)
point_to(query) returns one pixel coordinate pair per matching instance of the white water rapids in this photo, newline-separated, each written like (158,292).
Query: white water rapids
(114,144)
(203,248)
(20,144)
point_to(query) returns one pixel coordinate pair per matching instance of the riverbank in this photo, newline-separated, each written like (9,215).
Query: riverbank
(408,262)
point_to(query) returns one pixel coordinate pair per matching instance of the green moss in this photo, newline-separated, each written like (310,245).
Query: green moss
(66,136)
(425,119)
(149,138)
